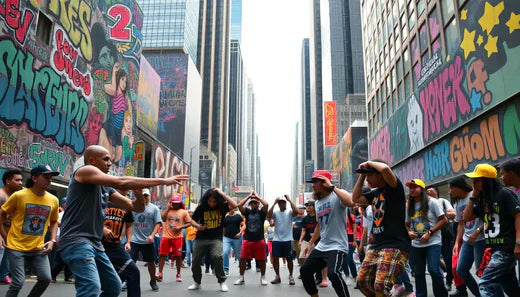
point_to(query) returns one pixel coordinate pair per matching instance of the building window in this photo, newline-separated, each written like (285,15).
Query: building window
(423,38)
(451,34)
(44,29)
(447,10)
(411,15)
(406,61)
(421,6)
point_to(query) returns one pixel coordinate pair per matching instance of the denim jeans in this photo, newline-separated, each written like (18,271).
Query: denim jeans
(431,255)
(447,253)
(58,266)
(5,269)
(39,264)
(214,247)
(469,254)
(94,274)
(499,274)
(2,251)
(404,279)
(349,263)
(228,243)
(189,250)
(127,270)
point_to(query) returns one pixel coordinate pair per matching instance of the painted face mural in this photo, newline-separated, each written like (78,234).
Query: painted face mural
(414,121)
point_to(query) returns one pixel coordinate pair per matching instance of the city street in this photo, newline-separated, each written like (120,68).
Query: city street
(169,287)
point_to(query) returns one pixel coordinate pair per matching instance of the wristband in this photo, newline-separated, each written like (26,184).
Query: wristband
(332,188)
(430,232)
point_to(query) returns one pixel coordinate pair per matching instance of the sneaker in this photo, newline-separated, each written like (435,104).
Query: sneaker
(263,282)
(178,277)
(291,280)
(239,281)
(226,272)
(448,286)
(459,293)
(53,280)
(257,269)
(223,287)
(123,286)
(410,294)
(324,284)
(69,280)
(154,285)
(398,290)
(276,280)
(207,270)
(159,277)
(6,280)
(195,286)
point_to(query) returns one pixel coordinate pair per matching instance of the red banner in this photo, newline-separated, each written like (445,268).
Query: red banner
(330,123)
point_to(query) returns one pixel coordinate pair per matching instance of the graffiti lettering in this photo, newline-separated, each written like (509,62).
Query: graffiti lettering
(74,17)
(486,144)
(39,154)
(20,24)
(39,98)
(412,169)
(122,17)
(380,146)
(64,58)
(443,97)
(7,142)
(511,130)
(166,165)
(437,160)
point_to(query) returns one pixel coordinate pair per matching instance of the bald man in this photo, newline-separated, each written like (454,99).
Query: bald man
(90,190)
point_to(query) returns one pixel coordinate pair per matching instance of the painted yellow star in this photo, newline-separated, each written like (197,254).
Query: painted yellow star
(490,17)
(464,14)
(480,40)
(468,44)
(514,22)
(491,45)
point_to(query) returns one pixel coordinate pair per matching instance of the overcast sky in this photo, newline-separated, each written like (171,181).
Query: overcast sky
(272,34)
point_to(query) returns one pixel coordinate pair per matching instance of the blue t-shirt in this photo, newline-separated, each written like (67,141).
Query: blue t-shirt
(332,218)
(144,222)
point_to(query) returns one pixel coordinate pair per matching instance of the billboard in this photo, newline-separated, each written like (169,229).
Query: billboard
(330,123)
(309,169)
(351,151)
(148,97)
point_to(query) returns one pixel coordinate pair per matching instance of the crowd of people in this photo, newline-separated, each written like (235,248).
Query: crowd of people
(399,232)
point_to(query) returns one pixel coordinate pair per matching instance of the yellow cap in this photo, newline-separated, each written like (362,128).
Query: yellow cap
(416,182)
(483,170)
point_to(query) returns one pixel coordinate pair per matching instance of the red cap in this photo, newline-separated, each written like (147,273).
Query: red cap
(317,173)
(176,199)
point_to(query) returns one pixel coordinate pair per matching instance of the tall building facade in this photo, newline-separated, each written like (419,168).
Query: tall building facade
(213,63)
(442,87)
(236,20)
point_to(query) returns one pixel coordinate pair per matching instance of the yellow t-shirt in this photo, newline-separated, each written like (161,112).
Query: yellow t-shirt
(31,218)
(191,233)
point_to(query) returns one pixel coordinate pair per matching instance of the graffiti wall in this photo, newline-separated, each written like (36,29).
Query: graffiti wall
(69,73)
(351,151)
(148,97)
(430,137)
(173,70)
(165,164)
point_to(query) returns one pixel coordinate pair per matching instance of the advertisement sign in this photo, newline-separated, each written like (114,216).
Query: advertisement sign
(330,123)
(148,97)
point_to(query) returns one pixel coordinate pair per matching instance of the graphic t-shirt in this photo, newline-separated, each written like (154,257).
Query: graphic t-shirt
(388,211)
(499,222)
(175,218)
(212,219)
(421,223)
(144,222)
(469,226)
(331,215)
(115,219)
(232,225)
(283,225)
(309,223)
(297,227)
(191,233)
(31,215)
(254,224)
(368,219)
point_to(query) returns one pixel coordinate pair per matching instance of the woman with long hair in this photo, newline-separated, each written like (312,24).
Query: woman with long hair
(424,220)
(500,210)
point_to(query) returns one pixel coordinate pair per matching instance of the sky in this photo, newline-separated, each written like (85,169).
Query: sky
(272,35)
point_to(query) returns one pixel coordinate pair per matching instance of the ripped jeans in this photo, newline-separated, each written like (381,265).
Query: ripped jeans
(93,272)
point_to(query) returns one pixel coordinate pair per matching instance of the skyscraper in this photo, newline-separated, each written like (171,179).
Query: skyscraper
(236,20)
(213,63)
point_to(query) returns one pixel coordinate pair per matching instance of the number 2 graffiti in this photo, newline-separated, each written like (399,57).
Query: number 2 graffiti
(125,31)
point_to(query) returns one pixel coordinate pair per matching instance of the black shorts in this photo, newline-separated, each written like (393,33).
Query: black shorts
(147,252)
(282,249)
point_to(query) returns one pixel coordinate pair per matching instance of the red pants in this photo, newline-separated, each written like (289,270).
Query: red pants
(457,281)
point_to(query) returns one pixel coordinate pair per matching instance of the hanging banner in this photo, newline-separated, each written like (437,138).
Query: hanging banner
(330,123)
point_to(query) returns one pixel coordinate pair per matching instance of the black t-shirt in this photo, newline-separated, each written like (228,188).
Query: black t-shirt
(254,224)
(212,219)
(297,227)
(231,225)
(389,212)
(115,219)
(309,223)
(499,228)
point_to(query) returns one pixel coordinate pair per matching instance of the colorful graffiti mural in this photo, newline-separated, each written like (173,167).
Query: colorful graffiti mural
(77,88)
(173,70)
(477,83)
(148,97)
(351,151)
(165,164)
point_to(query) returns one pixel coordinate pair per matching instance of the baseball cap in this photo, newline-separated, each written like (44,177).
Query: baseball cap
(460,183)
(310,202)
(416,182)
(146,192)
(483,170)
(301,206)
(317,173)
(176,199)
(63,200)
(41,169)
(366,170)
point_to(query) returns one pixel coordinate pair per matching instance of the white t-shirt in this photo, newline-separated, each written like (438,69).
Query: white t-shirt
(421,224)
(331,215)
(283,225)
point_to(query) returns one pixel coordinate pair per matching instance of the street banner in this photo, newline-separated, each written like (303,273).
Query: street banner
(330,123)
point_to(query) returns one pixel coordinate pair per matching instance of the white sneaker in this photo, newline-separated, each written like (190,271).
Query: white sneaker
(223,287)
(240,281)
(263,282)
(195,286)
